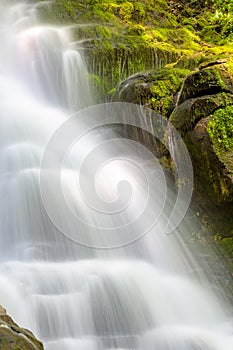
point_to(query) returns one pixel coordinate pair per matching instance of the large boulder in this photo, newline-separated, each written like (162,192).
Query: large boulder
(209,80)
(191,101)
(213,177)
(12,337)
(186,115)
(206,96)
(156,90)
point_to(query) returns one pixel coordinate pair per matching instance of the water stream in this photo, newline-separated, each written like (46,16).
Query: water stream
(142,296)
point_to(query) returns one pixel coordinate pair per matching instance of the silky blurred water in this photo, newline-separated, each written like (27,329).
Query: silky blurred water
(144,295)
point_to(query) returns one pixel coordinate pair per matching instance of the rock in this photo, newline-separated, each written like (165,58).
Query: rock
(186,115)
(207,81)
(12,337)
(2,311)
(214,175)
(134,88)
(203,93)
(213,178)
(190,100)
(156,90)
(213,63)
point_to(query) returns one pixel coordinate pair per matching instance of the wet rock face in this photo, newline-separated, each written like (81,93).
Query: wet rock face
(212,173)
(190,103)
(12,337)
(156,90)
(202,94)
(136,87)
(213,178)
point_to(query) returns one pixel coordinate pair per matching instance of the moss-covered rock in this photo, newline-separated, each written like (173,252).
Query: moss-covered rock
(185,116)
(194,101)
(213,175)
(204,117)
(207,81)
(213,178)
(12,337)
(156,90)
(220,130)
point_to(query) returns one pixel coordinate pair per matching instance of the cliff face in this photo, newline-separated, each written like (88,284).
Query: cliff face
(175,57)
(121,38)
(12,337)
(199,104)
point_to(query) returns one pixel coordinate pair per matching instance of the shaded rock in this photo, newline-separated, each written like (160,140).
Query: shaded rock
(206,81)
(156,90)
(191,100)
(202,94)
(213,63)
(185,116)
(12,337)
(213,177)
(136,88)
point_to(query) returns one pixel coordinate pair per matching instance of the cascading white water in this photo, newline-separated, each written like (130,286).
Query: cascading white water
(73,297)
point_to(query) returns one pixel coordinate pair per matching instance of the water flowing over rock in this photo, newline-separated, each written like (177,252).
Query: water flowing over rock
(150,293)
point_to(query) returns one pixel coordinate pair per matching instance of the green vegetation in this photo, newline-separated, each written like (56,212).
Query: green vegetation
(220,128)
(124,37)
(172,40)
(143,35)
(165,85)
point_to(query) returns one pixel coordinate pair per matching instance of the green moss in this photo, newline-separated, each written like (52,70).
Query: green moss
(191,111)
(125,12)
(227,246)
(131,36)
(220,129)
(164,88)
(136,29)
(229,65)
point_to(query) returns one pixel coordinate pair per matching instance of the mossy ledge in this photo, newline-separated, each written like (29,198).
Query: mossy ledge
(121,38)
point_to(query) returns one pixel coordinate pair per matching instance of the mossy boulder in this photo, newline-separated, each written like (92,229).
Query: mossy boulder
(207,81)
(204,118)
(213,178)
(192,100)
(12,337)
(185,116)
(156,90)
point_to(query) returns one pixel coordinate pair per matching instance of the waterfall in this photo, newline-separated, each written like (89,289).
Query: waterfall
(142,295)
